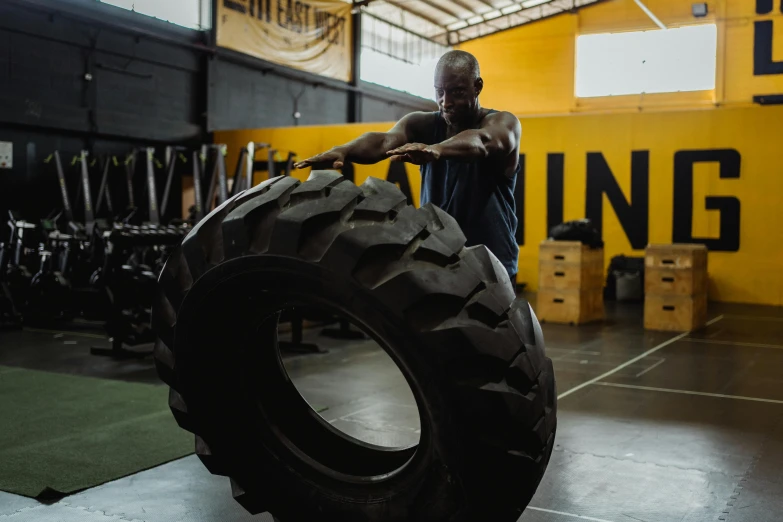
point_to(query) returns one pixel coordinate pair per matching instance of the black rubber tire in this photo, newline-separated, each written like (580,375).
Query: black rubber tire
(472,352)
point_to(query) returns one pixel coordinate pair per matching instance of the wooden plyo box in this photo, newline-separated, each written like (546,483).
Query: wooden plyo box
(569,252)
(675,313)
(677,255)
(571,306)
(571,281)
(675,281)
(557,274)
(675,284)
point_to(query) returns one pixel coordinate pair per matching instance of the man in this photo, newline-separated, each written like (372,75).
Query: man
(468,157)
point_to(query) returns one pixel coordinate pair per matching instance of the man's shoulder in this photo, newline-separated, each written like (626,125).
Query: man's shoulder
(421,117)
(500,116)
(420,125)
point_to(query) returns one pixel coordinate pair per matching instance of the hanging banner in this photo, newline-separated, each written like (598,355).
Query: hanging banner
(312,35)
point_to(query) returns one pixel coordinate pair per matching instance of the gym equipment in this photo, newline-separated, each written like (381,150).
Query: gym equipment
(50,293)
(271,166)
(472,352)
(217,189)
(135,255)
(17,257)
(172,154)
(131,289)
(582,230)
(10,317)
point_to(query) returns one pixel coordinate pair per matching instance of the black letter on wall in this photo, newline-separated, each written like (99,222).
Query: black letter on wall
(729,207)
(762,50)
(519,201)
(633,215)
(397,174)
(763,6)
(554,190)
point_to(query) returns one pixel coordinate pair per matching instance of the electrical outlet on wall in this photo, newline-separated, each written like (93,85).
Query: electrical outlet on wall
(6,154)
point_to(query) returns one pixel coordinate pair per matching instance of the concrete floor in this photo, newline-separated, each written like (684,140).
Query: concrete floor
(653,427)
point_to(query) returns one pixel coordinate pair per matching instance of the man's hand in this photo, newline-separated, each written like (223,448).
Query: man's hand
(331,159)
(416,153)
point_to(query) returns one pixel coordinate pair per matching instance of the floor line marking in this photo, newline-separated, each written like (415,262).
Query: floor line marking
(581,517)
(688,392)
(735,343)
(624,365)
(630,362)
(650,368)
(361,410)
(714,320)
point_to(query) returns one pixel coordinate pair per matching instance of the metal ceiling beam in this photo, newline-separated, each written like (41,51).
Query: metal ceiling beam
(403,7)
(401,28)
(564,5)
(464,6)
(488,4)
(442,9)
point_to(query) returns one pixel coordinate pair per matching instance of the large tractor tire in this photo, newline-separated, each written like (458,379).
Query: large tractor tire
(448,316)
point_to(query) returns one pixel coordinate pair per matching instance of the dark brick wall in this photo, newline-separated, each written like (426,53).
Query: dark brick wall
(150,83)
(385,108)
(142,91)
(243,96)
(138,88)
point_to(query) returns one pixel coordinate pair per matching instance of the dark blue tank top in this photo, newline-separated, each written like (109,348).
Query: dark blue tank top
(479,195)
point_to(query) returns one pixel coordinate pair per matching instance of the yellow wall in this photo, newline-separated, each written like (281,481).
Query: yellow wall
(750,275)
(531,69)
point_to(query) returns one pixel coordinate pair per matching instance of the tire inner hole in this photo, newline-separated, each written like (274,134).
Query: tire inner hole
(356,417)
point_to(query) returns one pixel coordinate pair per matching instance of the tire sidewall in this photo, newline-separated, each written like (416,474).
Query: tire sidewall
(433,468)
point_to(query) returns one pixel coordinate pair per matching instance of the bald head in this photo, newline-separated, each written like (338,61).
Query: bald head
(459,63)
(458,84)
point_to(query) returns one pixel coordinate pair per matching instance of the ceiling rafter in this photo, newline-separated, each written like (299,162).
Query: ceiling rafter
(403,7)
(488,4)
(432,18)
(442,8)
(465,6)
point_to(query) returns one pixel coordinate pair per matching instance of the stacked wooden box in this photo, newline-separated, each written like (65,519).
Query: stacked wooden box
(675,287)
(570,282)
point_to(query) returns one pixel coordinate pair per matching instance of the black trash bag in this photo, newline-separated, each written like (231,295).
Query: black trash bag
(625,279)
(581,230)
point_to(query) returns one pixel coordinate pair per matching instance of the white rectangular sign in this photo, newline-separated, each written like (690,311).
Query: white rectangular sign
(6,154)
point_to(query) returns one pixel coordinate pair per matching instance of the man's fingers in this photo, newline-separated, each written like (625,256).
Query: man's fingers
(337,164)
(410,147)
(402,157)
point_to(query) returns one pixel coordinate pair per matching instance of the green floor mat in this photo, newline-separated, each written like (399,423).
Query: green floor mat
(63,433)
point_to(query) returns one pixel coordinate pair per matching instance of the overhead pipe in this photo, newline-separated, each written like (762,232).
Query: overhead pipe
(650,14)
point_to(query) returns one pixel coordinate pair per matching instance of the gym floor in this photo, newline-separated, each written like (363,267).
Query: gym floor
(652,426)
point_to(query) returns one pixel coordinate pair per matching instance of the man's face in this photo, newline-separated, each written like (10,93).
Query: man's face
(457,95)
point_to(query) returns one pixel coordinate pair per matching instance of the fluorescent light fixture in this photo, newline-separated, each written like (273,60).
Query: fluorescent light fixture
(511,9)
(533,3)
(492,14)
(457,25)
(475,20)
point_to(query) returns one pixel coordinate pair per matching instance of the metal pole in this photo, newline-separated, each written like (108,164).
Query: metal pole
(650,14)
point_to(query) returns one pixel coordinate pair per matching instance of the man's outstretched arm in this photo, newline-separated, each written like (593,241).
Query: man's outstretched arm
(370,147)
(498,136)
